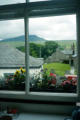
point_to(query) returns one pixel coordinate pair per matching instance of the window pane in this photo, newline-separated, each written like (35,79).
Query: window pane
(53,54)
(6,2)
(12,56)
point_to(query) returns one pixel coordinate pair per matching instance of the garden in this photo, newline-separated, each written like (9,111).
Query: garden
(47,80)
(52,82)
(13,81)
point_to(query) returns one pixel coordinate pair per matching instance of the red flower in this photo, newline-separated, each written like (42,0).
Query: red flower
(53,78)
(70,77)
(12,111)
(52,74)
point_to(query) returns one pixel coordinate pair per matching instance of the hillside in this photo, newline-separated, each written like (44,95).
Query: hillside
(32,38)
(20,41)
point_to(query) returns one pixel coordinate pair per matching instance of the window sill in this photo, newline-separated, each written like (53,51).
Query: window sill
(63,97)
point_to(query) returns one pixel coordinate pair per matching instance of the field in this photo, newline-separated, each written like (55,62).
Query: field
(66,43)
(63,43)
(13,44)
(59,68)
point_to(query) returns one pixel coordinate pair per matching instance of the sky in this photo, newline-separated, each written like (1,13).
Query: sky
(3,2)
(49,28)
(54,28)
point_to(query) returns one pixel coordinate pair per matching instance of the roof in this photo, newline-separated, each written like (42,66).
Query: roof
(74,56)
(13,58)
(67,52)
(70,52)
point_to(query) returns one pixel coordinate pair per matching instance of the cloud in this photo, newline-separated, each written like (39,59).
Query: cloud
(54,28)
(50,28)
(11,28)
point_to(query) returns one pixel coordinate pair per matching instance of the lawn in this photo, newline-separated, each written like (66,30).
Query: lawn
(59,68)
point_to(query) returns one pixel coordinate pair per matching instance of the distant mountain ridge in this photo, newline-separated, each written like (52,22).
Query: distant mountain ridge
(32,38)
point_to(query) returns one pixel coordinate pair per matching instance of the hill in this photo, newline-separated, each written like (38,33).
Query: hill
(32,38)
(20,41)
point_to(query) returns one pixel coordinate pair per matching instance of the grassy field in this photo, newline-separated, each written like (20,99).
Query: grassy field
(59,68)
(14,44)
(66,43)
(18,44)
(63,43)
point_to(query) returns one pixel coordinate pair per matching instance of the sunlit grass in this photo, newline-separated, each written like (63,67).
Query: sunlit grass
(59,68)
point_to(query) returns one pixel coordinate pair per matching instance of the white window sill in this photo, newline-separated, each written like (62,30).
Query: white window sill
(66,97)
(53,94)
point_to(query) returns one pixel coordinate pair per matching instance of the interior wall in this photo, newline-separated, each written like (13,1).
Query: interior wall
(39,108)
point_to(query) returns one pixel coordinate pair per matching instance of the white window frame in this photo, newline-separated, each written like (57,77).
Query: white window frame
(29,10)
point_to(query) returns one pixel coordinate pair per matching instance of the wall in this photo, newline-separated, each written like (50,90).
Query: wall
(40,108)
(32,71)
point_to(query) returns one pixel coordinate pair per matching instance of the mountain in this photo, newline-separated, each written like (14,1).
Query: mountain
(32,38)
(35,38)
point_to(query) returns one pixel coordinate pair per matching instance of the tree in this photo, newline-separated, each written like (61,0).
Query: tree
(35,49)
(49,48)
(39,50)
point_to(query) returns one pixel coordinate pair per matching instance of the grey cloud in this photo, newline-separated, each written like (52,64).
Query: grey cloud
(54,28)
(51,28)
(11,28)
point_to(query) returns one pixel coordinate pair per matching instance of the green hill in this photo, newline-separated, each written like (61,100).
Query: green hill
(20,41)
(32,38)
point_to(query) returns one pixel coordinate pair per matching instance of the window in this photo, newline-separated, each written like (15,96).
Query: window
(12,58)
(53,48)
(36,17)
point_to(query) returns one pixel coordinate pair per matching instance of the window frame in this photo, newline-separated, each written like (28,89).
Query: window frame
(27,11)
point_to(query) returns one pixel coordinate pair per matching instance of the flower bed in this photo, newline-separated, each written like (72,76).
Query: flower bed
(41,82)
(15,81)
(49,84)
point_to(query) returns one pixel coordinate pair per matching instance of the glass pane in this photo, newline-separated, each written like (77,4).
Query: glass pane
(6,2)
(53,54)
(12,57)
